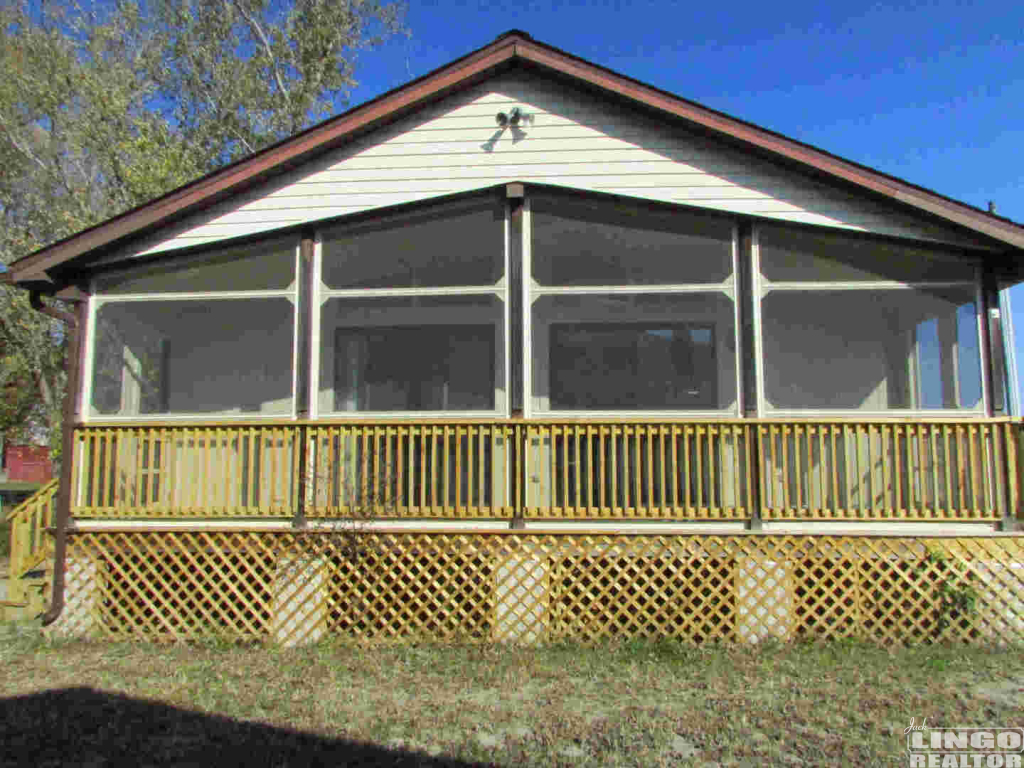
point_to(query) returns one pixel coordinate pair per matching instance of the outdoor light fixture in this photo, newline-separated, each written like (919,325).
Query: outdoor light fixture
(512,118)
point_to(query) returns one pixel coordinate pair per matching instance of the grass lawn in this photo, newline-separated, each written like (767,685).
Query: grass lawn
(628,704)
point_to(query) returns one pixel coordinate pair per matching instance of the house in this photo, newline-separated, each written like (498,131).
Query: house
(577,355)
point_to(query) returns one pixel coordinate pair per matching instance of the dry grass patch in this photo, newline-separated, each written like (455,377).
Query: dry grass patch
(622,704)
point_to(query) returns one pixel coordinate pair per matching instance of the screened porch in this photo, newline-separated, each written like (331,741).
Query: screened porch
(530,353)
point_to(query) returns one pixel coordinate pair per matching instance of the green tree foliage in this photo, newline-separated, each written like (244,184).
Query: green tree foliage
(106,105)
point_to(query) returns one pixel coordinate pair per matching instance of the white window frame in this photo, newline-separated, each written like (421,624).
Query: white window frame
(532,291)
(321,294)
(761,287)
(97,300)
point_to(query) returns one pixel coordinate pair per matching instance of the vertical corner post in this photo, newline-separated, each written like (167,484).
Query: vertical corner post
(992,343)
(305,281)
(748,366)
(515,195)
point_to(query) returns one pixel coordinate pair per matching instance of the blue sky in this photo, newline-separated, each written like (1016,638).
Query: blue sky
(932,92)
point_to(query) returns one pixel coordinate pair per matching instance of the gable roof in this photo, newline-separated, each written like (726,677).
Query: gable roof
(510,49)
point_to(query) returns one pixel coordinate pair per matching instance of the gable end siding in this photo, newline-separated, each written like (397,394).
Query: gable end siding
(570,138)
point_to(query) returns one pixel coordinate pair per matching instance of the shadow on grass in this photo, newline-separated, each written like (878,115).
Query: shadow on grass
(84,726)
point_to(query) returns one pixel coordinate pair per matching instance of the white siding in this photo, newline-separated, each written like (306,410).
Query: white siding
(570,139)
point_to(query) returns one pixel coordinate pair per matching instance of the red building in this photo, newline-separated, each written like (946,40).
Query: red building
(27,463)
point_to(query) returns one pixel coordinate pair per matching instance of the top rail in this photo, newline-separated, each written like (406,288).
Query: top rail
(283,421)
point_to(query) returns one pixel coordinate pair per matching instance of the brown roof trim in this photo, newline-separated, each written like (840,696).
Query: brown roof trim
(461,73)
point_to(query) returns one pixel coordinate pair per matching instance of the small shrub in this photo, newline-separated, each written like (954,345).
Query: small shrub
(948,592)
(958,598)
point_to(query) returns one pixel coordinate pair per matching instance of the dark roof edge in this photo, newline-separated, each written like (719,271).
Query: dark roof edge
(459,74)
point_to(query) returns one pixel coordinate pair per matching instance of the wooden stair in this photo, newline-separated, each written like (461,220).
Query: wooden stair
(27,586)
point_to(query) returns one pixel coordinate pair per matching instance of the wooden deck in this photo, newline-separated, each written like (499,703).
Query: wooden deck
(170,535)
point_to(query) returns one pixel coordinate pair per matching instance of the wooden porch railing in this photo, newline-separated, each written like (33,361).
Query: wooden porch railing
(900,471)
(186,471)
(962,470)
(30,543)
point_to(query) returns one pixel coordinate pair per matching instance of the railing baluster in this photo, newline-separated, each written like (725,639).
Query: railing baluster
(579,469)
(688,498)
(975,473)
(924,466)
(985,437)
(663,510)
(563,477)
(716,479)
(471,433)
(754,479)
(676,476)
(634,433)
(933,446)
(613,471)
(699,451)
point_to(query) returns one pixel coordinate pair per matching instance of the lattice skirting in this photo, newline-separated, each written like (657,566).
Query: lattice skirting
(293,587)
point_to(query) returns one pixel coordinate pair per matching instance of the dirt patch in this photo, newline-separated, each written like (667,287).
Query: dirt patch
(1008,693)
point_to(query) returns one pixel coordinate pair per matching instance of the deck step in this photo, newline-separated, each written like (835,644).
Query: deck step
(30,600)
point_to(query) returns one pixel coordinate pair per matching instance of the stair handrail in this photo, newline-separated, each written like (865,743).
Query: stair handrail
(29,521)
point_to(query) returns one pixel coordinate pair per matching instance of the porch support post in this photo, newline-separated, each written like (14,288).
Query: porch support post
(992,343)
(748,363)
(515,194)
(995,391)
(303,374)
(74,327)
(304,354)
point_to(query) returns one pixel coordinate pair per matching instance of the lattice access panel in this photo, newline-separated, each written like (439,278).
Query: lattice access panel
(291,587)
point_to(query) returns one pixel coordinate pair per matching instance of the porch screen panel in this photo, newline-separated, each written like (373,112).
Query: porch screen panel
(412,312)
(632,307)
(579,241)
(789,255)
(851,324)
(216,357)
(452,244)
(432,353)
(197,335)
(256,267)
(634,352)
